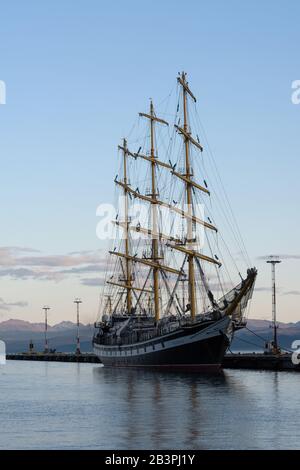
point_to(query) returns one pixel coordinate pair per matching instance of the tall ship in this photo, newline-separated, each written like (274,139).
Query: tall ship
(174,294)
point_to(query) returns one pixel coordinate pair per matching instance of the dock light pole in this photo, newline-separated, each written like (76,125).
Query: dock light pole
(273,260)
(77,302)
(46,309)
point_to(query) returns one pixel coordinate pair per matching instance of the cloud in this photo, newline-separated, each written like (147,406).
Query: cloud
(14,256)
(59,260)
(215,287)
(28,263)
(280,257)
(8,254)
(9,305)
(92,282)
(82,252)
(292,292)
(17,249)
(91,268)
(24,274)
(289,256)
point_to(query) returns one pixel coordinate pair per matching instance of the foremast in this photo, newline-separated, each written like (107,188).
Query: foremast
(153,261)
(128,277)
(154,195)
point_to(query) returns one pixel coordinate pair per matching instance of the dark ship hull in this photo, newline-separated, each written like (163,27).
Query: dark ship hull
(198,347)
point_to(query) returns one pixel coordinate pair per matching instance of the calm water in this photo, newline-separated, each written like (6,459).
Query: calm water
(85,406)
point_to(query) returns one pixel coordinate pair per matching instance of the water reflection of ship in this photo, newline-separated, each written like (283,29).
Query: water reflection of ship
(159,408)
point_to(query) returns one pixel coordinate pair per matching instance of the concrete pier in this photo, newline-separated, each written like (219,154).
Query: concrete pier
(259,361)
(254,361)
(58,357)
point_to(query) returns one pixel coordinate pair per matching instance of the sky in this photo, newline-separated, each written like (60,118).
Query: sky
(77,74)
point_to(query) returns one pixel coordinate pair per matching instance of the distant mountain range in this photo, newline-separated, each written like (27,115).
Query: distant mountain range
(252,338)
(18,333)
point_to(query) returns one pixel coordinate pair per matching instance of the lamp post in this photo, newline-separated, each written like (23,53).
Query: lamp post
(273,260)
(46,309)
(77,302)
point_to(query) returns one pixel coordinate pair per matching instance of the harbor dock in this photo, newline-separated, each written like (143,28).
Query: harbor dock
(254,361)
(54,357)
(260,361)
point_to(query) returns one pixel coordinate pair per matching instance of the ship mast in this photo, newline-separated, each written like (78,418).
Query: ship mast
(154,220)
(154,228)
(126,226)
(188,247)
(189,198)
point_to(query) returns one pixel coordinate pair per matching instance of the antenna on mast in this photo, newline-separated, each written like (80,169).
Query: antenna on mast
(273,260)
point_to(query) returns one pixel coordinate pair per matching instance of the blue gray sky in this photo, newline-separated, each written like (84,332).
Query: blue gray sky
(76,75)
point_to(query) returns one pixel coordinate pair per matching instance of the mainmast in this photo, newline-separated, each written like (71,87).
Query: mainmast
(189,197)
(154,201)
(126,227)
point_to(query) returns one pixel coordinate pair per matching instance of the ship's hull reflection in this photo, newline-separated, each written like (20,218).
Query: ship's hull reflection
(158,405)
